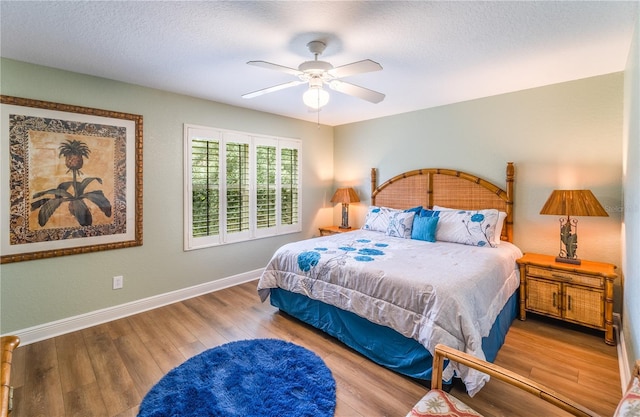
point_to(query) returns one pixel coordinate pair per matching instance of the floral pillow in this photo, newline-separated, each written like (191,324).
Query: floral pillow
(378,218)
(438,403)
(469,227)
(629,406)
(400,224)
(499,225)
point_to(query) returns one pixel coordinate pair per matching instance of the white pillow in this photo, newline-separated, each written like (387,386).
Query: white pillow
(501,218)
(499,225)
(476,228)
(378,218)
(400,224)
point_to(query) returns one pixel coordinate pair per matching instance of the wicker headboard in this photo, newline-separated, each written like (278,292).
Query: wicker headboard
(447,188)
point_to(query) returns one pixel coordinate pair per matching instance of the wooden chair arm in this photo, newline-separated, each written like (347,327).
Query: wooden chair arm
(9,343)
(505,375)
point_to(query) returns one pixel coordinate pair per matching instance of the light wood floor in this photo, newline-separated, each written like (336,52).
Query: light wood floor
(107,369)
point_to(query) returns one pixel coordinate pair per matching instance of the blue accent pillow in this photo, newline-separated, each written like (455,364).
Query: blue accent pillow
(424,228)
(429,213)
(416,210)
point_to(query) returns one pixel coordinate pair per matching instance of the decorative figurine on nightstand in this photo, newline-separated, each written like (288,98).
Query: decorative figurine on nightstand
(571,203)
(569,239)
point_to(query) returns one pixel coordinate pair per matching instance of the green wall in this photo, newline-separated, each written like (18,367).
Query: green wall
(566,135)
(41,291)
(563,135)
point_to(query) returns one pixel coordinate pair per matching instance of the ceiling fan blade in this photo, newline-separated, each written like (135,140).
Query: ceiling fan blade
(359,67)
(272,66)
(356,91)
(272,89)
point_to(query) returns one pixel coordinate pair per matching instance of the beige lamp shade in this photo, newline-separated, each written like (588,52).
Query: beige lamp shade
(345,195)
(573,203)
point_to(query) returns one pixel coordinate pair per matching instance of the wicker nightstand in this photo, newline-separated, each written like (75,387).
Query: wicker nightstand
(332,230)
(581,294)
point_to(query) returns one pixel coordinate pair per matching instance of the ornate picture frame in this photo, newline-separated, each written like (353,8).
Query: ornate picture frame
(70,179)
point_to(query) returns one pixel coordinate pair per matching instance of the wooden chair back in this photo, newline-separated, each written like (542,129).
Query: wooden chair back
(443,352)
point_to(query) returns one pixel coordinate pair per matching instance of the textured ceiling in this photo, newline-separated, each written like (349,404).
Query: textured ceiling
(433,53)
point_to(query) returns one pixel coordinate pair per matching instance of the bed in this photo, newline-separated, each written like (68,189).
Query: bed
(406,282)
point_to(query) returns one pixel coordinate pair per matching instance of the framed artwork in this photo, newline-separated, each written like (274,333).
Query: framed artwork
(70,179)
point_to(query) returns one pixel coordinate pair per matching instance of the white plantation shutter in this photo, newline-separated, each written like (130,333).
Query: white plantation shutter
(237,191)
(202,187)
(239,186)
(266,187)
(290,185)
(206,186)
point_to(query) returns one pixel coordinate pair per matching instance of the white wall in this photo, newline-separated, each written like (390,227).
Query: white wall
(563,135)
(631,177)
(42,291)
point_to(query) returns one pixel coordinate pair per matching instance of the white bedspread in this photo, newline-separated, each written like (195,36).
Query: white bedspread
(432,292)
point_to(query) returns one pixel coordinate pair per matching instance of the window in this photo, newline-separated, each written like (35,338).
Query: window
(239,186)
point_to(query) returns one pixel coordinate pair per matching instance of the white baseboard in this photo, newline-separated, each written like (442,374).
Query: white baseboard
(623,358)
(93,318)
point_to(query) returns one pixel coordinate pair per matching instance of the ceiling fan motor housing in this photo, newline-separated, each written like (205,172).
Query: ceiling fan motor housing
(315,67)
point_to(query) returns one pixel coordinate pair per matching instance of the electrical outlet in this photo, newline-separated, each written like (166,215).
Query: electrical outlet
(118,282)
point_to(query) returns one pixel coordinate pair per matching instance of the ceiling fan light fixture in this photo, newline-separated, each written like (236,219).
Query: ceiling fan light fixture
(315,97)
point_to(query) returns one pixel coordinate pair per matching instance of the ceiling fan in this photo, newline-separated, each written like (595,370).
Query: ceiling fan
(318,73)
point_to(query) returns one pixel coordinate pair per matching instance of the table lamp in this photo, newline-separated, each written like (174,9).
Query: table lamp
(345,196)
(571,203)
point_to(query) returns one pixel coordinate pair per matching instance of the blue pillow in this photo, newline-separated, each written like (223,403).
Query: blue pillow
(428,213)
(424,228)
(416,210)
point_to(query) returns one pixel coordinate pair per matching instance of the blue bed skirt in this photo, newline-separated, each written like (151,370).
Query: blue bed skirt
(382,344)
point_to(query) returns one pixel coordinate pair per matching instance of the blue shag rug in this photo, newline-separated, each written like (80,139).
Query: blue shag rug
(248,378)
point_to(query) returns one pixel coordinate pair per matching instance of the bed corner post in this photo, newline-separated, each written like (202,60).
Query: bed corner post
(510,181)
(374,184)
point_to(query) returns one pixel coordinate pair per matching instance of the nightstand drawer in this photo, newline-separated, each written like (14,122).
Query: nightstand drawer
(565,276)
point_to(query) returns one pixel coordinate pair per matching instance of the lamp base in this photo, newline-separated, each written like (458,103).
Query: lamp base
(345,217)
(568,260)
